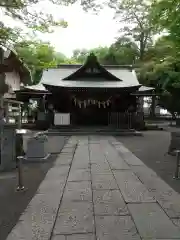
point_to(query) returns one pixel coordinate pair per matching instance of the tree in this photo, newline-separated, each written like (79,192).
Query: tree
(24,11)
(29,13)
(38,56)
(80,55)
(136,18)
(123,51)
(162,48)
(165,15)
(60,58)
(164,76)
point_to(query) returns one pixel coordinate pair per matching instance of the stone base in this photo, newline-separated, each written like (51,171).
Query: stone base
(94,131)
(175,143)
(37,159)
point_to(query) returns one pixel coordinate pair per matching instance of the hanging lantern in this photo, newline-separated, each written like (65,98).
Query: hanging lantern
(89,101)
(104,104)
(99,104)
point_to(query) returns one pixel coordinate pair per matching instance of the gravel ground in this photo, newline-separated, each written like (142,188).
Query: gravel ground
(152,149)
(12,204)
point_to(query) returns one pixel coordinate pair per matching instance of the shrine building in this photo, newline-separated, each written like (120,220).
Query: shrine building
(90,94)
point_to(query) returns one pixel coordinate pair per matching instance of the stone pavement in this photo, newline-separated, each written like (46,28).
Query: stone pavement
(98,190)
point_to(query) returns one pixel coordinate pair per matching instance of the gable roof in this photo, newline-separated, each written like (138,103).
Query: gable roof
(90,74)
(92,69)
(75,76)
(55,77)
(11,57)
(52,78)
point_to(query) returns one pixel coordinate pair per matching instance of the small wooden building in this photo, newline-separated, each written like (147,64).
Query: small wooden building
(16,73)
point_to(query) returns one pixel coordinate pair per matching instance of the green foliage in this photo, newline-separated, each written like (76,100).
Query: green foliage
(158,64)
(29,13)
(165,15)
(160,68)
(123,51)
(7,34)
(80,55)
(163,73)
(38,56)
(25,11)
(134,16)
(59,57)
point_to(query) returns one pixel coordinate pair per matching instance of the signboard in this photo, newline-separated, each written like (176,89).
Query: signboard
(62,119)
(92,70)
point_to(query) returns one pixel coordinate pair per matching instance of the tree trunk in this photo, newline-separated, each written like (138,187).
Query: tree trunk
(141,54)
(142,47)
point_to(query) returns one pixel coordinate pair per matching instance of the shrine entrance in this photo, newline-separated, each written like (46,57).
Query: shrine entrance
(90,112)
(91,116)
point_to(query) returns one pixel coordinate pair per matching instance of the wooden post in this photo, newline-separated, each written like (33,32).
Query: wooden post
(20,179)
(153,106)
(19,116)
(20,186)
(7,112)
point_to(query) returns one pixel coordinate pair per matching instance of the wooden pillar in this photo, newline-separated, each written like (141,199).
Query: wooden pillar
(7,112)
(19,116)
(153,106)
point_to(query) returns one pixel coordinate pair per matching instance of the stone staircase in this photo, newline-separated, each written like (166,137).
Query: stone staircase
(82,130)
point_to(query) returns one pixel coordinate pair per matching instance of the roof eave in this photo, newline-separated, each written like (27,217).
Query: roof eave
(91,87)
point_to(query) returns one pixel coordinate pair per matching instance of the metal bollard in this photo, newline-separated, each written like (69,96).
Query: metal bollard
(176,175)
(20,187)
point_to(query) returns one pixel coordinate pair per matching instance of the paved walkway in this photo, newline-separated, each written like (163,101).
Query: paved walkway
(98,190)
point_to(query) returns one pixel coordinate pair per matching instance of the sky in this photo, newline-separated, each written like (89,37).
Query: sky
(85,30)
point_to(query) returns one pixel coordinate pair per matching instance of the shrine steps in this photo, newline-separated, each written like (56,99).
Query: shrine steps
(69,131)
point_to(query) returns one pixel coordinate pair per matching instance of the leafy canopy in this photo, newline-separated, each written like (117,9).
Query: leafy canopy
(135,18)
(38,55)
(30,13)
(166,15)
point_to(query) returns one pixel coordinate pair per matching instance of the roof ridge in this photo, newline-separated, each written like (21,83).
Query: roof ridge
(80,65)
